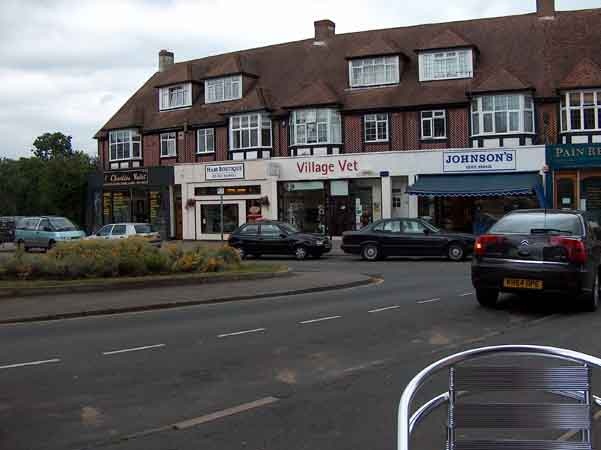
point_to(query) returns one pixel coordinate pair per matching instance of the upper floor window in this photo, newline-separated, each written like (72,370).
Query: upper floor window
(205,140)
(502,114)
(223,89)
(376,128)
(250,131)
(374,71)
(125,144)
(434,124)
(581,111)
(178,96)
(168,145)
(445,65)
(315,126)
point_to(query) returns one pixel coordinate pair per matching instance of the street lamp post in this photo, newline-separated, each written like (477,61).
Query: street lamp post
(221,191)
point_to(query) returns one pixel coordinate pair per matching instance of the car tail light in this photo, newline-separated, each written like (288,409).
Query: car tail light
(485,241)
(574,247)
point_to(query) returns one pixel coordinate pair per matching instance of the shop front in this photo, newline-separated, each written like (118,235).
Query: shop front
(476,188)
(575,177)
(141,195)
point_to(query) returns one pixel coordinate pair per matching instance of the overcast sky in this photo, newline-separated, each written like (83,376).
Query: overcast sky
(68,65)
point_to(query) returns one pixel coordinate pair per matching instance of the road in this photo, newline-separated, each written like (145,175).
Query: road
(319,371)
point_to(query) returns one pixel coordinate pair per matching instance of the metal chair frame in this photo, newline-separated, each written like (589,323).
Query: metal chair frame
(576,383)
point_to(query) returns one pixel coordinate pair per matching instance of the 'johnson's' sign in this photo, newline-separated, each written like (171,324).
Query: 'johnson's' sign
(225,172)
(479,161)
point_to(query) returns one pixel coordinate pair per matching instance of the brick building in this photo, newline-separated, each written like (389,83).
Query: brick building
(436,120)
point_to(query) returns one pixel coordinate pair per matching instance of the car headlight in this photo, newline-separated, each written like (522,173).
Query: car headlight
(318,242)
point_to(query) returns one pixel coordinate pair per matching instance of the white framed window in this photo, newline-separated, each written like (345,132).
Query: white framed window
(125,145)
(223,89)
(376,128)
(446,65)
(502,114)
(168,145)
(250,131)
(374,71)
(434,124)
(177,96)
(315,126)
(205,140)
(581,111)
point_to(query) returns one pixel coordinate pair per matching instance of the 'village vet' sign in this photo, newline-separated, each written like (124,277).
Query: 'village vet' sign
(574,155)
(139,176)
(479,161)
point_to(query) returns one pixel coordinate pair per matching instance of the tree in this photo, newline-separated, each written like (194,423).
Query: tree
(52,145)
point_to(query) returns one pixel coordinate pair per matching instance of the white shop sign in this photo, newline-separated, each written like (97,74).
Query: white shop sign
(224,172)
(479,161)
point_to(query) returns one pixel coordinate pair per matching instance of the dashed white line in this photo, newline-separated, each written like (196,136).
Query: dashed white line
(321,319)
(32,363)
(388,308)
(467,294)
(432,300)
(238,333)
(135,349)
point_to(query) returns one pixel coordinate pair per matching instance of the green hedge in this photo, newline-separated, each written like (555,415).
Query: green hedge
(124,258)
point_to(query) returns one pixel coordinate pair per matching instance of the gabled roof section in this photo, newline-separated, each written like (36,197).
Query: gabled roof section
(229,64)
(447,39)
(177,73)
(584,75)
(499,81)
(314,94)
(257,99)
(377,47)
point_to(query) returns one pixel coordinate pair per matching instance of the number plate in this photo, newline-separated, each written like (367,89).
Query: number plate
(519,283)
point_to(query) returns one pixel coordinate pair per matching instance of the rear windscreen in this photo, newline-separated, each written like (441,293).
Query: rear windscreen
(141,229)
(569,224)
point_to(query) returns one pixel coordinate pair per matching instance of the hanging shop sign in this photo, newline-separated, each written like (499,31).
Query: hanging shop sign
(479,161)
(139,176)
(225,172)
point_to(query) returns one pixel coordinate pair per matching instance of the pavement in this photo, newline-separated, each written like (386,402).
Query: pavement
(319,371)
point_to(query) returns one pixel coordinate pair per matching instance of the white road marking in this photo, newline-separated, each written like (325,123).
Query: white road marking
(135,349)
(238,333)
(432,300)
(383,309)
(224,413)
(32,363)
(467,294)
(321,319)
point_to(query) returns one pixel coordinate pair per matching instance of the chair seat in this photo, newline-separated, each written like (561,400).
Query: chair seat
(520,445)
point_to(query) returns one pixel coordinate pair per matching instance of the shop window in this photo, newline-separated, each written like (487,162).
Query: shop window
(566,198)
(502,114)
(581,111)
(230,190)
(211,218)
(434,124)
(376,128)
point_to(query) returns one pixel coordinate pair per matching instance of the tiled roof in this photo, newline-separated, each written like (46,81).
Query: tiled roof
(586,73)
(535,53)
(447,39)
(376,47)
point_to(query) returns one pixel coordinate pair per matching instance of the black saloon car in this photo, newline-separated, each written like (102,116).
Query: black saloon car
(406,237)
(543,251)
(278,238)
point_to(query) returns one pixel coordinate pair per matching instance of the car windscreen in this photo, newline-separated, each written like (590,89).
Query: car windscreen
(62,224)
(568,224)
(143,228)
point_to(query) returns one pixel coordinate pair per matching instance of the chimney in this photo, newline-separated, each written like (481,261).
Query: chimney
(545,9)
(324,29)
(165,60)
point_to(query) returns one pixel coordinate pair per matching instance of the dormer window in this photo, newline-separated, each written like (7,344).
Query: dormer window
(223,89)
(375,71)
(446,65)
(177,96)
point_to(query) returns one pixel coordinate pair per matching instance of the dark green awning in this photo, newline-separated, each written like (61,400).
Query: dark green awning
(479,185)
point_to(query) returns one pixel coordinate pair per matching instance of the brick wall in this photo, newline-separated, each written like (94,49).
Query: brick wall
(547,123)
(151,150)
(283,137)
(458,128)
(397,131)
(412,132)
(103,153)
(379,147)
(221,144)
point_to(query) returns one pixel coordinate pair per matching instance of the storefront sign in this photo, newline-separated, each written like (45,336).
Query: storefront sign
(574,155)
(326,168)
(126,177)
(304,186)
(479,161)
(225,172)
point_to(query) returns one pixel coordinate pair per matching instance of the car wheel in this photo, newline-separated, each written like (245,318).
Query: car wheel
(370,252)
(487,297)
(455,252)
(591,300)
(51,245)
(300,252)
(21,245)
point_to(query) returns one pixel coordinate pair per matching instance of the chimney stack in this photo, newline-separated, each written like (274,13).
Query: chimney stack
(324,30)
(545,9)
(165,60)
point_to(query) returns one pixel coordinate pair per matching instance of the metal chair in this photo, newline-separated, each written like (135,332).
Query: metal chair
(566,381)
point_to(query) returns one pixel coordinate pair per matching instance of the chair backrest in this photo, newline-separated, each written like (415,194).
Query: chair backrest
(569,384)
